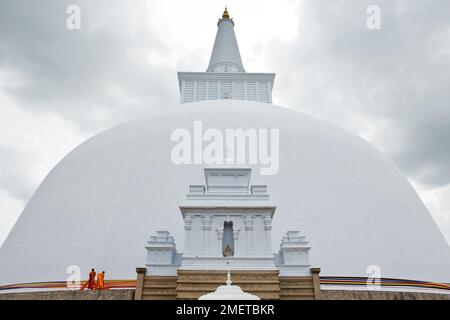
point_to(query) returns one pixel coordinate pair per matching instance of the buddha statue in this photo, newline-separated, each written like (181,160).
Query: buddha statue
(228,251)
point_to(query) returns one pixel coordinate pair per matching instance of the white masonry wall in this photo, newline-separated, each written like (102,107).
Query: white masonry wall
(251,235)
(216,86)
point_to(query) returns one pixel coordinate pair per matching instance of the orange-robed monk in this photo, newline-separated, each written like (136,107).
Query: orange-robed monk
(101,280)
(90,284)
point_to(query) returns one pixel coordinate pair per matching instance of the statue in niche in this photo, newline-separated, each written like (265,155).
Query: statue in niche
(228,241)
(228,251)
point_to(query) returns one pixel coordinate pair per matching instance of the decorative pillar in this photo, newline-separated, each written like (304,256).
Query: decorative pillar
(245,91)
(257,91)
(236,241)
(206,228)
(194,94)
(268,229)
(219,241)
(188,234)
(233,89)
(269,92)
(219,90)
(248,222)
(183,90)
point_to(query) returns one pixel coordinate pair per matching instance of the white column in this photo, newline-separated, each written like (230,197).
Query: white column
(206,228)
(219,90)
(236,242)
(257,91)
(269,92)
(219,241)
(268,229)
(248,221)
(233,90)
(188,234)
(183,88)
(245,91)
(194,94)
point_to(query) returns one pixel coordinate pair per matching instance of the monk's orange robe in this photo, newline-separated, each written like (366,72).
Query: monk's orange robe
(101,281)
(90,284)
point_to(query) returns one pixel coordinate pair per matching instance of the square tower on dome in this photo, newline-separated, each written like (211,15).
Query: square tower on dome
(225,77)
(227,220)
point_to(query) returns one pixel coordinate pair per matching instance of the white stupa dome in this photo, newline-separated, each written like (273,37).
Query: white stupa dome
(101,203)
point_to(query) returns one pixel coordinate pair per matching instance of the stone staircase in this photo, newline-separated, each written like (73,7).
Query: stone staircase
(301,288)
(191,284)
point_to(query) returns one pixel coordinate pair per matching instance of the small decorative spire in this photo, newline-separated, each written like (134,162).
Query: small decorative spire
(228,282)
(226,15)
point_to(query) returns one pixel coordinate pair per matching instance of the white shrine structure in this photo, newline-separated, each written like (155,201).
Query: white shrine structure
(227,223)
(228,212)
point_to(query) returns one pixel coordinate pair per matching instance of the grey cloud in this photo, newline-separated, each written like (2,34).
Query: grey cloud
(94,77)
(78,73)
(336,69)
(339,70)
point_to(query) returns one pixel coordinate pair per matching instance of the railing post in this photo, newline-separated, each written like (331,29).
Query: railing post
(316,281)
(139,283)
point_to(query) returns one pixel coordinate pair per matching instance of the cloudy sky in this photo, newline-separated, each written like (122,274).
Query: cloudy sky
(59,86)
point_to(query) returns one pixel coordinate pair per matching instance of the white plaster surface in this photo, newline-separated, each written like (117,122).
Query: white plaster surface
(99,205)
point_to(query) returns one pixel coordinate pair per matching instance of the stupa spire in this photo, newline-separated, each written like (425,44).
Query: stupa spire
(226,15)
(225,56)
(225,77)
